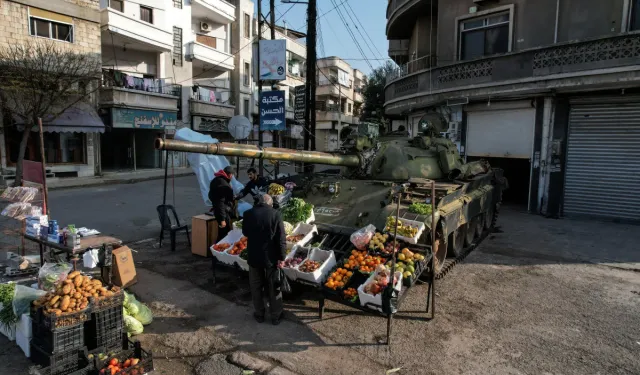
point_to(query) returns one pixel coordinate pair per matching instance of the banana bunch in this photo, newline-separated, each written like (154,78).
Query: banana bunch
(405,230)
(276,189)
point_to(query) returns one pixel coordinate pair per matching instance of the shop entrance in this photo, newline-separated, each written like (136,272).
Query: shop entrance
(116,148)
(518,174)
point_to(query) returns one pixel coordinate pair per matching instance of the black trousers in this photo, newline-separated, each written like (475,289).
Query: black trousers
(261,284)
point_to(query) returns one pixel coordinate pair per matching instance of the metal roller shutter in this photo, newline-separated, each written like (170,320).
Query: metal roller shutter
(603,159)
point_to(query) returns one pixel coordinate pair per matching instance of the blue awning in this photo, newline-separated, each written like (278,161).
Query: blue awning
(80,118)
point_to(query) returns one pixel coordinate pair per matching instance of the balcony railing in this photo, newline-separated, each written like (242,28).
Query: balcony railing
(565,60)
(115,78)
(411,67)
(212,95)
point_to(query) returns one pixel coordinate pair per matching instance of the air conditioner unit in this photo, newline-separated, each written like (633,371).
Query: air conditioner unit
(205,26)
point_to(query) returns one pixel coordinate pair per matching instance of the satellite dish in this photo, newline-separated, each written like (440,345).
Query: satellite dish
(239,127)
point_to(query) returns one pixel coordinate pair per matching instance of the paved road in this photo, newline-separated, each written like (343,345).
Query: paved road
(125,211)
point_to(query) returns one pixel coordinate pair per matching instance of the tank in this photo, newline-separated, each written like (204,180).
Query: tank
(359,190)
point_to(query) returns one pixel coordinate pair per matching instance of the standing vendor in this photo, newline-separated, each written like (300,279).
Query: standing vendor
(255,182)
(222,202)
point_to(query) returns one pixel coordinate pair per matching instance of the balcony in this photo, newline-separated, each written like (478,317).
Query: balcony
(402,14)
(211,102)
(357,96)
(219,11)
(330,112)
(120,89)
(209,55)
(602,63)
(399,47)
(117,24)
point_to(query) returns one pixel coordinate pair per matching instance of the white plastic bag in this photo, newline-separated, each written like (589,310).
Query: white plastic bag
(361,238)
(52,273)
(22,298)
(90,258)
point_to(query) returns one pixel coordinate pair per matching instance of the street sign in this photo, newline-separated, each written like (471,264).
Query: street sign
(300,104)
(273,60)
(272,112)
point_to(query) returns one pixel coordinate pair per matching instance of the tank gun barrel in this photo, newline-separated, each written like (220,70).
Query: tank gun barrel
(256,152)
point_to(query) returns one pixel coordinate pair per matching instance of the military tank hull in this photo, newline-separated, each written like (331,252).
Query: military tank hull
(467,196)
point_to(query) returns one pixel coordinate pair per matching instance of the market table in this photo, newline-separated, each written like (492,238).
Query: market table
(86,243)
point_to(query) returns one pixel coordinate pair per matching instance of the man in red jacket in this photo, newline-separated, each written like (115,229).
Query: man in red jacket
(221,197)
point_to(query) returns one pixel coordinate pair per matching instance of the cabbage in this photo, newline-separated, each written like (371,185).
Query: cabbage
(144,314)
(132,326)
(288,228)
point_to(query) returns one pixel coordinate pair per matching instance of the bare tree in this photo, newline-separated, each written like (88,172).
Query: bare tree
(42,79)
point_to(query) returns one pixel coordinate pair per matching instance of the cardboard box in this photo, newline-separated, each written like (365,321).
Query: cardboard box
(124,271)
(204,232)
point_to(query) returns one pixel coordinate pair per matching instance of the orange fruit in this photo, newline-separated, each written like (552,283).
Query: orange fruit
(338,278)
(330,284)
(349,273)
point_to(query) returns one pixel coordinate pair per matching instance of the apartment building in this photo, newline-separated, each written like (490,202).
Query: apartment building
(296,57)
(338,102)
(545,89)
(71,142)
(166,64)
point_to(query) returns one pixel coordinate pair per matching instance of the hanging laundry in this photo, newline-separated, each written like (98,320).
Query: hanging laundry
(148,84)
(129,80)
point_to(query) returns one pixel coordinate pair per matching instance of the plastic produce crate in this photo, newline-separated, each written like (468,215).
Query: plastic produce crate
(59,340)
(53,322)
(103,303)
(131,350)
(105,328)
(59,363)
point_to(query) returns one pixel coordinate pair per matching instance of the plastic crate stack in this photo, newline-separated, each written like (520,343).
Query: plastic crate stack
(105,328)
(58,343)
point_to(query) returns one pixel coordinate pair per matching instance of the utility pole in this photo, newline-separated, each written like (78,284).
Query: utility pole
(311,67)
(259,81)
(276,134)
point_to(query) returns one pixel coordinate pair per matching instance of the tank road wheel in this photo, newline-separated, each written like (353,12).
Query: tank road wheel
(480,225)
(471,231)
(456,241)
(489,217)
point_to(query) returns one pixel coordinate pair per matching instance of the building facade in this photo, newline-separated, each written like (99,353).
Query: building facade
(338,101)
(166,65)
(545,89)
(71,142)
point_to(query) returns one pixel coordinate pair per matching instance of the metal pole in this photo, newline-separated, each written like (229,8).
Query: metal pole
(276,134)
(259,81)
(133,148)
(393,260)
(433,244)
(311,79)
(45,205)
(166,170)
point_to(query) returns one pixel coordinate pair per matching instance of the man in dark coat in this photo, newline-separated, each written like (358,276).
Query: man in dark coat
(266,244)
(222,202)
(255,182)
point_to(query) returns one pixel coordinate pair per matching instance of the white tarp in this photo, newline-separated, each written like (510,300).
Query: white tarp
(204,166)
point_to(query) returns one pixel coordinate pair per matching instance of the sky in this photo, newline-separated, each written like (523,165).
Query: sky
(334,38)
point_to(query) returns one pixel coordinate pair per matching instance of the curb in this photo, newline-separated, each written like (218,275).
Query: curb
(106,182)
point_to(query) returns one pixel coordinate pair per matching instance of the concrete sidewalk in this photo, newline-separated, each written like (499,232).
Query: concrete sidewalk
(130,177)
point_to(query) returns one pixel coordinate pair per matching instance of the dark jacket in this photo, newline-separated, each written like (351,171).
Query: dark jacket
(259,183)
(266,238)
(221,197)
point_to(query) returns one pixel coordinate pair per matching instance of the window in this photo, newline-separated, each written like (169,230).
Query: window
(146,14)
(51,29)
(177,4)
(484,36)
(349,108)
(117,5)
(635,16)
(247,73)
(59,148)
(245,108)
(177,46)
(247,26)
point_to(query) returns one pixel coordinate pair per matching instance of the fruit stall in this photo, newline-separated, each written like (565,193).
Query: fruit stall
(367,269)
(72,323)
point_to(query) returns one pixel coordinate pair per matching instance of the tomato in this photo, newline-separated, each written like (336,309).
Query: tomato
(114,370)
(127,363)
(113,361)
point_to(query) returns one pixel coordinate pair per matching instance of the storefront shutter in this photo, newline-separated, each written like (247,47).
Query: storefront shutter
(603,159)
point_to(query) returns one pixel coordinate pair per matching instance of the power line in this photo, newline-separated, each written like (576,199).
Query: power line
(358,30)
(364,30)
(353,37)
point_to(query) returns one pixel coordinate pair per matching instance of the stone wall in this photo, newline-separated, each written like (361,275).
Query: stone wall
(14,27)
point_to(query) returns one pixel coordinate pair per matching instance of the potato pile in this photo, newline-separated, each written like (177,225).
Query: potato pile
(72,294)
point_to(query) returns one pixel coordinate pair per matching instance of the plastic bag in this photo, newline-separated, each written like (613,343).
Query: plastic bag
(22,298)
(361,238)
(52,273)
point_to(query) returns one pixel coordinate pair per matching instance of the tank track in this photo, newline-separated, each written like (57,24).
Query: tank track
(449,264)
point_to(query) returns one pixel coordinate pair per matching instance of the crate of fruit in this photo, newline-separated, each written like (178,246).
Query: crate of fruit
(105,328)
(301,235)
(133,360)
(219,250)
(107,297)
(338,280)
(408,230)
(370,292)
(317,266)
(362,261)
(234,253)
(291,262)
